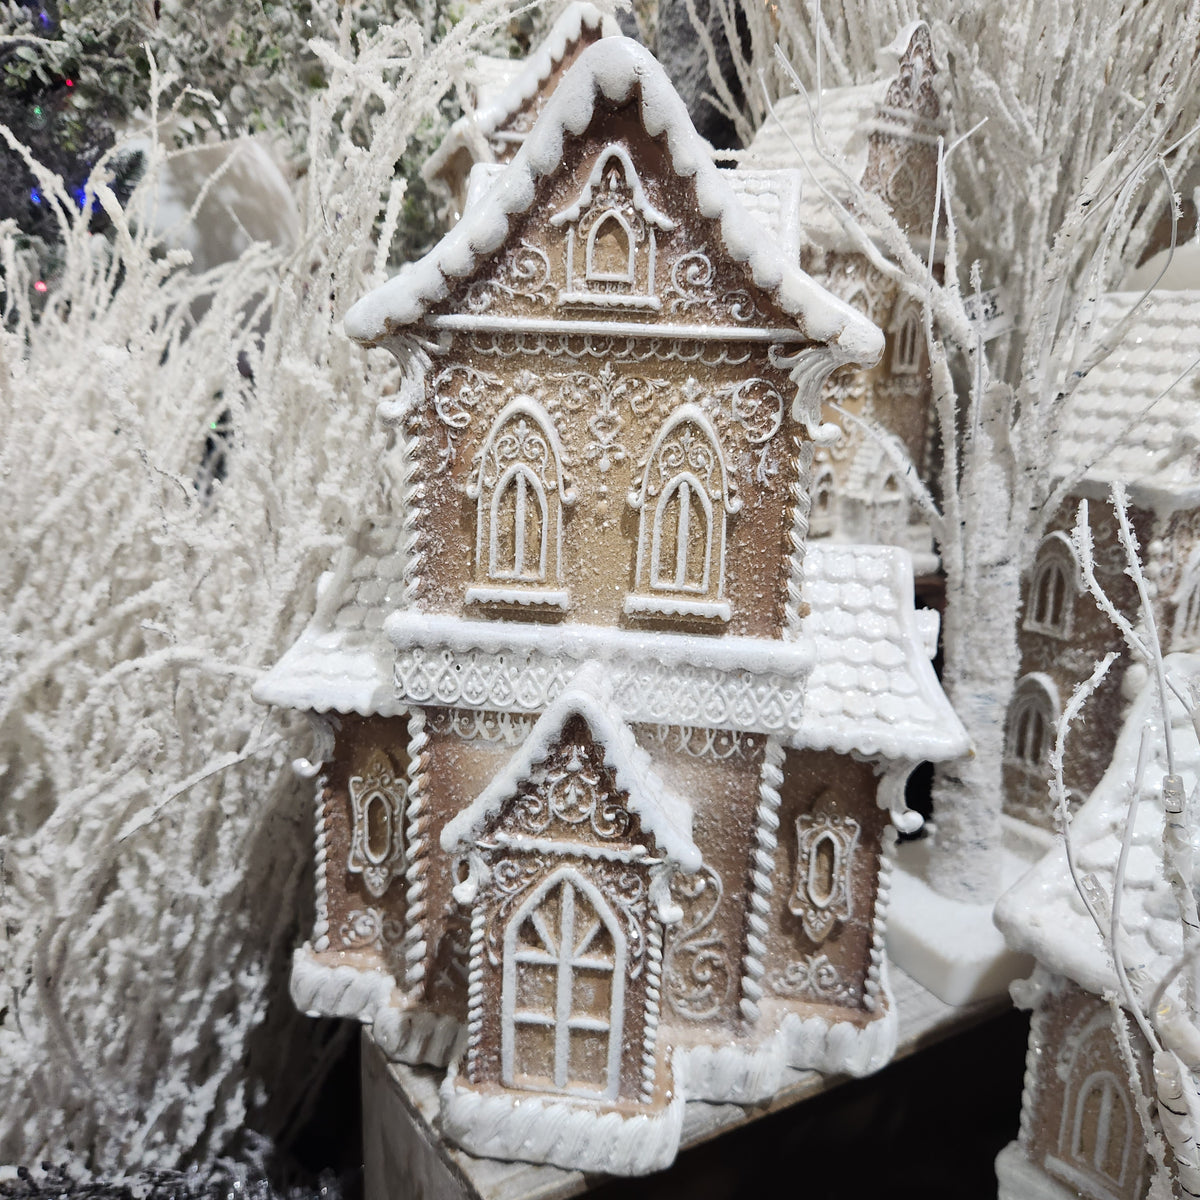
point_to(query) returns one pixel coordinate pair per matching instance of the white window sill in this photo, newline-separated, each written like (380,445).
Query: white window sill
(534,597)
(639,604)
(611,300)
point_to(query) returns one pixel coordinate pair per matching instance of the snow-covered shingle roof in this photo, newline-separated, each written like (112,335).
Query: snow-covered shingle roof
(1107,429)
(864,650)
(872,688)
(1043,914)
(342,662)
(664,816)
(615,69)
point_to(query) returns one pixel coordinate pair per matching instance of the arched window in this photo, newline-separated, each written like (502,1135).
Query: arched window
(519,490)
(1099,1151)
(821,514)
(610,246)
(1186,635)
(906,338)
(562,1003)
(1032,717)
(1050,604)
(683,502)
(1100,1133)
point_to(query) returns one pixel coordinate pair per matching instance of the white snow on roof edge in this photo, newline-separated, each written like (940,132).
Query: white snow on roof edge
(664,816)
(612,67)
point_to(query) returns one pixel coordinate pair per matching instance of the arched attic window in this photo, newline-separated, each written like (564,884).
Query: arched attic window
(610,247)
(519,492)
(1032,717)
(683,503)
(1186,634)
(1050,604)
(906,338)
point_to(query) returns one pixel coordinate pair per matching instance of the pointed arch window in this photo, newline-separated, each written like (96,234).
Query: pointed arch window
(683,504)
(1032,717)
(1050,603)
(906,338)
(1186,634)
(563,995)
(1099,1150)
(821,512)
(519,491)
(610,247)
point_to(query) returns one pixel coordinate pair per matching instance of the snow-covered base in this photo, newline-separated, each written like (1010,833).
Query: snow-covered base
(406,1035)
(839,1047)
(1019,1179)
(730,1074)
(950,947)
(541,1130)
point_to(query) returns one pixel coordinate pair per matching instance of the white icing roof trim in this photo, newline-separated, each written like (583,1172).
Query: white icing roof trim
(1043,914)
(612,68)
(664,816)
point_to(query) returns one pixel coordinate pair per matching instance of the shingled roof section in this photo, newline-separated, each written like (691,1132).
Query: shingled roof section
(1044,915)
(615,69)
(1114,428)
(342,662)
(872,689)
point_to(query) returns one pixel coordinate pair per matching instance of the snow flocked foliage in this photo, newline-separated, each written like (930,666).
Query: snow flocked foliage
(182,454)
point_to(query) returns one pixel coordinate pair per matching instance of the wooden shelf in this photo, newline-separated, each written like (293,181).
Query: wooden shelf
(405,1159)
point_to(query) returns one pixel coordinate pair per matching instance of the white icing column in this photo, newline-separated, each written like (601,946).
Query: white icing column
(766,839)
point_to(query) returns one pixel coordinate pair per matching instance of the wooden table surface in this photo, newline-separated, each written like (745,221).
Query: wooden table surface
(406,1160)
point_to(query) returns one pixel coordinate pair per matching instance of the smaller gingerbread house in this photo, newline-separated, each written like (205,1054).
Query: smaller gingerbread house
(1081,1134)
(509,96)
(883,135)
(1131,420)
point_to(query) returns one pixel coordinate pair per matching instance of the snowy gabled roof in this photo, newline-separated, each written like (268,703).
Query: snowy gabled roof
(342,662)
(1109,432)
(613,68)
(505,93)
(872,689)
(664,816)
(1043,914)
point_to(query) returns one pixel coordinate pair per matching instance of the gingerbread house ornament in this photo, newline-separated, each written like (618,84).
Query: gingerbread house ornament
(611,759)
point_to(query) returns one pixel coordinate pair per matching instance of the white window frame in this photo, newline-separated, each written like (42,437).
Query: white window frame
(1034,695)
(495,582)
(566,959)
(906,338)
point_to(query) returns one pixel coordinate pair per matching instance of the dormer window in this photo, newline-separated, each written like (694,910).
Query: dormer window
(1051,600)
(611,238)
(519,492)
(683,503)
(906,339)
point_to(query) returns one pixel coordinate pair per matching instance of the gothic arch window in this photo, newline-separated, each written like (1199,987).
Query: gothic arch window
(1187,608)
(821,512)
(1032,717)
(519,491)
(906,338)
(611,237)
(683,504)
(1051,601)
(610,247)
(1098,1149)
(563,992)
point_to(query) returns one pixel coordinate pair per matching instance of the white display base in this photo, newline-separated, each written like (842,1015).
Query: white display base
(405,1158)
(1019,1179)
(950,947)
